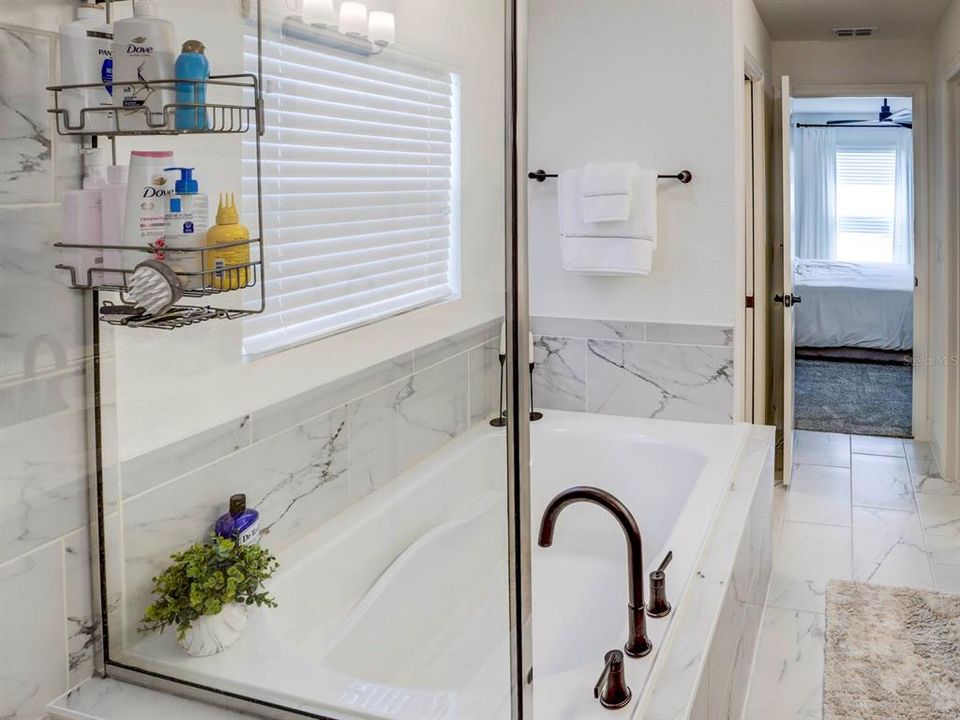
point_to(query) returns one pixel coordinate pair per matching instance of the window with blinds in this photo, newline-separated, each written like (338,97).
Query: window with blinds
(866,202)
(360,191)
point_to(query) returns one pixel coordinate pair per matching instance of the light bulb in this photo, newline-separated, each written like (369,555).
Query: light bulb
(319,13)
(353,19)
(381,30)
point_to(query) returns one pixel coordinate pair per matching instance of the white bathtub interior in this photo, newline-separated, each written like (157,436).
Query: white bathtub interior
(397,608)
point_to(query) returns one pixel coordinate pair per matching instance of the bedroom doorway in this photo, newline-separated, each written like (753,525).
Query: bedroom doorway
(853,259)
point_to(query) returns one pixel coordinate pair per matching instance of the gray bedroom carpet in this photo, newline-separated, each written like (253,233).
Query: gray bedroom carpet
(891,653)
(854,397)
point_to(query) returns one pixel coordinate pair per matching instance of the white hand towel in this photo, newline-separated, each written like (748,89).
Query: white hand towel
(605,190)
(642,223)
(607,256)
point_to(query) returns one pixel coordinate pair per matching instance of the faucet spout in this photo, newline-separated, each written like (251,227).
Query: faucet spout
(638,644)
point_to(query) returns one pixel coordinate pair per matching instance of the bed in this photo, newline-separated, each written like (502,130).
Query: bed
(846,304)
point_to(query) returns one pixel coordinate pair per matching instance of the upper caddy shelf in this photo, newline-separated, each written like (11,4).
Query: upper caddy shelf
(244,113)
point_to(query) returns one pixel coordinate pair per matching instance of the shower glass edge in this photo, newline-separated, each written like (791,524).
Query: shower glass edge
(517,431)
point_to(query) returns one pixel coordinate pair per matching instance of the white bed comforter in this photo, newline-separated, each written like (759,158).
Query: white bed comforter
(845,304)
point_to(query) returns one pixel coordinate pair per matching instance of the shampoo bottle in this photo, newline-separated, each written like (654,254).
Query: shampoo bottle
(187,216)
(86,49)
(143,52)
(220,257)
(239,523)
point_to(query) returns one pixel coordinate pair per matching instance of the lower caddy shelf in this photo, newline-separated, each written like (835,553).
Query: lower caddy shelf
(202,272)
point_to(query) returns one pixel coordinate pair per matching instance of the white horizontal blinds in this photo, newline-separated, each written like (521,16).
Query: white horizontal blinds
(357,169)
(866,202)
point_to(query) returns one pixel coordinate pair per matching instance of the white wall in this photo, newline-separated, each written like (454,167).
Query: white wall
(173,384)
(651,82)
(945,247)
(855,61)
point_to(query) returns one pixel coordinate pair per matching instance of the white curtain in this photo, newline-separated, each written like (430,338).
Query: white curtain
(815,154)
(903,210)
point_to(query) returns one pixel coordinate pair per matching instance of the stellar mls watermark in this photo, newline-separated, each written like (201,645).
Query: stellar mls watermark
(934,360)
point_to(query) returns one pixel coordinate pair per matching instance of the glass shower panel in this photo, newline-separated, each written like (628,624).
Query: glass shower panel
(353,412)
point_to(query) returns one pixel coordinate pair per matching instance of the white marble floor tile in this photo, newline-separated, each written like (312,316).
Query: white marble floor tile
(943,549)
(780,493)
(917,449)
(882,482)
(935,484)
(946,578)
(820,448)
(873,445)
(927,477)
(888,548)
(940,515)
(819,494)
(808,556)
(787,682)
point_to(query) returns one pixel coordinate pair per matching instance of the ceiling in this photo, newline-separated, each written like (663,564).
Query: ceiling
(847,105)
(815,19)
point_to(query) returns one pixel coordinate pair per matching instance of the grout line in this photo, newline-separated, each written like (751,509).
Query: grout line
(63,618)
(38,548)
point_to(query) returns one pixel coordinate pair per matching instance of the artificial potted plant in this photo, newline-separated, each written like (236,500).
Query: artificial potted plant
(207,591)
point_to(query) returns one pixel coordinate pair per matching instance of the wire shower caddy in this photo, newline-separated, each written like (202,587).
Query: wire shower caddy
(111,122)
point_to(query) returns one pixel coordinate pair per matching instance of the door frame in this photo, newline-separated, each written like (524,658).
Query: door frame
(921,238)
(950,455)
(752,397)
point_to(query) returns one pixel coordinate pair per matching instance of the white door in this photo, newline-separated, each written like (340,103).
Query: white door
(788,298)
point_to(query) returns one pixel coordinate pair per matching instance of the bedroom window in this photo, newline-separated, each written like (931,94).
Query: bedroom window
(866,202)
(360,188)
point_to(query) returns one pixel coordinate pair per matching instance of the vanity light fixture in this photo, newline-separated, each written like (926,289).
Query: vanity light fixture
(354,31)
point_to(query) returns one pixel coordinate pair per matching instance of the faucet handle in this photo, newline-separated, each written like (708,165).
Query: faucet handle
(658,605)
(611,688)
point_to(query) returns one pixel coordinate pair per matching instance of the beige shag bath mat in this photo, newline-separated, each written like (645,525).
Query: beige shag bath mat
(892,653)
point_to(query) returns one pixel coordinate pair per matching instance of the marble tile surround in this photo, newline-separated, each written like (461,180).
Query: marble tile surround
(657,370)
(46,624)
(709,679)
(302,460)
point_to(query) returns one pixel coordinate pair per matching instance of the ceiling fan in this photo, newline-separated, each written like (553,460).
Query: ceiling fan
(886,118)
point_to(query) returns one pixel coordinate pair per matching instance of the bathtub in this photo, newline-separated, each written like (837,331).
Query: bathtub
(398,607)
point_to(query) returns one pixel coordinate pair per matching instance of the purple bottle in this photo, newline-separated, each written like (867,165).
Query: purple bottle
(239,523)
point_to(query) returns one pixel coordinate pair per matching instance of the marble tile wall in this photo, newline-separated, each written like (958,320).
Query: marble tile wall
(302,460)
(46,628)
(657,370)
(706,673)
(735,638)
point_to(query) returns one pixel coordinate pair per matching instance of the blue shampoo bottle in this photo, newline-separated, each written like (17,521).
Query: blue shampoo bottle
(240,523)
(192,65)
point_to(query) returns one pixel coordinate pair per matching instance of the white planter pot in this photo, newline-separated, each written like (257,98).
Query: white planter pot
(211,634)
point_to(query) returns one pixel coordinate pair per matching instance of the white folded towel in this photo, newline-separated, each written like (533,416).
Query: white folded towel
(607,256)
(605,190)
(609,248)
(641,224)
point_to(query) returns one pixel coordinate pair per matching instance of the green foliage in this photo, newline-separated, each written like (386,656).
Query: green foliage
(206,577)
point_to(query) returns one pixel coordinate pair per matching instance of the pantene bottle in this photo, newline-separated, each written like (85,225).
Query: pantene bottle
(227,230)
